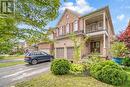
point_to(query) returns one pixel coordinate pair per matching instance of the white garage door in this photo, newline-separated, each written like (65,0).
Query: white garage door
(70,52)
(59,52)
(46,50)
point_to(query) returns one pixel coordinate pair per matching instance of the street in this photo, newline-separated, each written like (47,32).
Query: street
(13,74)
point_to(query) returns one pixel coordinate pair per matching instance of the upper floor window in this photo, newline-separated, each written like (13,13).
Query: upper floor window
(100,25)
(57,32)
(67,18)
(76,26)
(67,28)
(60,31)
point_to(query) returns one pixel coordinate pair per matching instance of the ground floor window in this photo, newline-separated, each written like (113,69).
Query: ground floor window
(95,46)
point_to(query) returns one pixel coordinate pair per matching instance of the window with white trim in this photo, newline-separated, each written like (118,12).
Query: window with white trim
(67,28)
(57,32)
(60,31)
(76,26)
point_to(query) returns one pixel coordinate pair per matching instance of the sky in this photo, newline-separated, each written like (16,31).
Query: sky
(119,9)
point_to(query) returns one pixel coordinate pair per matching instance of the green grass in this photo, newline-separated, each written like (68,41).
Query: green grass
(11,63)
(11,57)
(50,80)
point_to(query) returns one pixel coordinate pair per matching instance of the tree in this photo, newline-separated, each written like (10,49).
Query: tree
(125,36)
(8,32)
(37,13)
(78,45)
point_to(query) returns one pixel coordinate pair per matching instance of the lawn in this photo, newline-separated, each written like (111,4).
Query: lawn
(11,63)
(11,57)
(50,80)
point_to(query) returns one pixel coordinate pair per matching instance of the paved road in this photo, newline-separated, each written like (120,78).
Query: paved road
(17,73)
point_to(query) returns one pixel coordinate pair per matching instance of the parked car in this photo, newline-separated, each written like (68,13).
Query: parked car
(36,57)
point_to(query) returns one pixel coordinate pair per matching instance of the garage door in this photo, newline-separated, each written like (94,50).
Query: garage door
(46,50)
(70,52)
(59,52)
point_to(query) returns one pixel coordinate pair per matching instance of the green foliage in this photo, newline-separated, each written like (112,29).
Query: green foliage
(36,13)
(60,66)
(91,60)
(126,61)
(76,68)
(78,45)
(118,49)
(109,72)
(8,34)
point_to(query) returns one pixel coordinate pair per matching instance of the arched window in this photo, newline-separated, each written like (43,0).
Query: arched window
(76,26)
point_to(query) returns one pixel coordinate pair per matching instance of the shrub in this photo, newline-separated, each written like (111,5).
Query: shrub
(91,60)
(126,61)
(108,72)
(60,66)
(76,68)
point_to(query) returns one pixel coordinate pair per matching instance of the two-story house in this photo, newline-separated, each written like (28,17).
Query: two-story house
(98,25)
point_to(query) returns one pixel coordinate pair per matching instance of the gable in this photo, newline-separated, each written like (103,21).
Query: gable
(67,17)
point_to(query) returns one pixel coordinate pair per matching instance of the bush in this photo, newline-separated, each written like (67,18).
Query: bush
(94,58)
(109,72)
(126,62)
(76,68)
(60,66)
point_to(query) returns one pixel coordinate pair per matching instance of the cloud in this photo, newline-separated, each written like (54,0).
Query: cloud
(121,17)
(81,6)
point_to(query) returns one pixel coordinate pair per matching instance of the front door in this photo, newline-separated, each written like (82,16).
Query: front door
(95,46)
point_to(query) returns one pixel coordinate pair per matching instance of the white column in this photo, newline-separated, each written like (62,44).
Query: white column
(84,26)
(104,21)
(55,52)
(104,40)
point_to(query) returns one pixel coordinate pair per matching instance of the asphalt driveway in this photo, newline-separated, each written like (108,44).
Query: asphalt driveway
(13,74)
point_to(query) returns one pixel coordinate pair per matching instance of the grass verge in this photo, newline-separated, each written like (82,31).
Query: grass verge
(11,63)
(50,80)
(11,57)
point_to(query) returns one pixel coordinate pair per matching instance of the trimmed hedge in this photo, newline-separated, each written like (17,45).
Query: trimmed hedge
(60,66)
(109,72)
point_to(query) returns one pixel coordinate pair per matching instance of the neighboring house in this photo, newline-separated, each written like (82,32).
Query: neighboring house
(46,47)
(98,25)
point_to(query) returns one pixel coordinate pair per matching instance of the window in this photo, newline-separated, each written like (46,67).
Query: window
(67,28)
(95,46)
(60,31)
(57,32)
(76,26)
(67,18)
(100,25)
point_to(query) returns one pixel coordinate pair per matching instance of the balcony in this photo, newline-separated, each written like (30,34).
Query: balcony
(94,27)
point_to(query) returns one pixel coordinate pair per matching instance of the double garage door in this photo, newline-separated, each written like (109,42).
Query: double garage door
(60,52)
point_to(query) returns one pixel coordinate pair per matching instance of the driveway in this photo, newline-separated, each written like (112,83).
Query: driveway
(13,74)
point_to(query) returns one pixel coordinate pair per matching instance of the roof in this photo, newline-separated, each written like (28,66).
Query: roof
(73,12)
(98,10)
(129,23)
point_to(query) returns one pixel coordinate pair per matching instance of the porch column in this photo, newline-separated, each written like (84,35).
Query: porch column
(104,46)
(84,25)
(104,40)
(55,52)
(104,21)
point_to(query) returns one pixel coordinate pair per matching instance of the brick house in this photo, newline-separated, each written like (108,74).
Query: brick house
(98,25)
